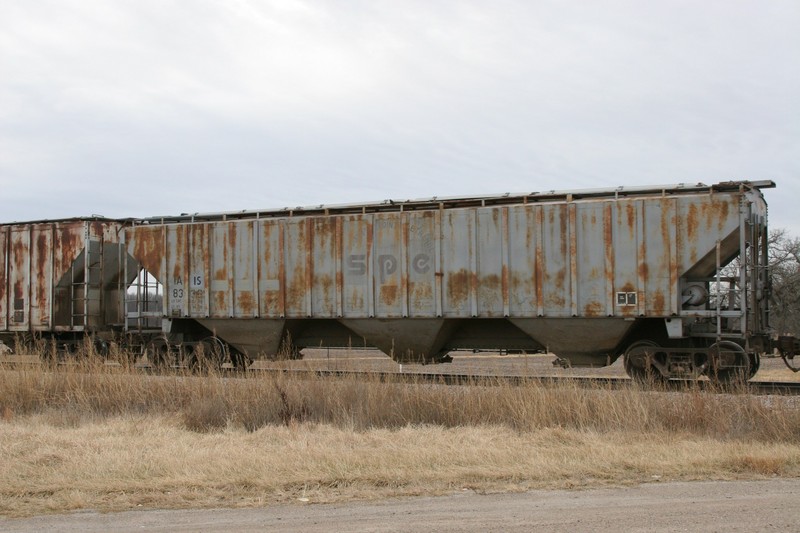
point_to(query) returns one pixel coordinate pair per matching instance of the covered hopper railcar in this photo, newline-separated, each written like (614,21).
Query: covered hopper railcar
(61,280)
(674,278)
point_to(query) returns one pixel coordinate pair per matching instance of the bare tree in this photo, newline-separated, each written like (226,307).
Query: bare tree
(784,267)
(785,273)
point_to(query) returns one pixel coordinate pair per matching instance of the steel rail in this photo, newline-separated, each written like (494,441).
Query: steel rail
(612,383)
(783,388)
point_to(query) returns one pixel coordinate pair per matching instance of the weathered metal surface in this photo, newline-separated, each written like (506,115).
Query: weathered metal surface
(405,340)
(575,272)
(60,276)
(397,274)
(249,336)
(4,250)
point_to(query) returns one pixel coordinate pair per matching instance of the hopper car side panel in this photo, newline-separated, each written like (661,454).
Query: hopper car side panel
(60,278)
(19,270)
(495,262)
(356,268)
(571,274)
(522,271)
(41,277)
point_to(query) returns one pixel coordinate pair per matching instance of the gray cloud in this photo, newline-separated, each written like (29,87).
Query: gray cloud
(143,108)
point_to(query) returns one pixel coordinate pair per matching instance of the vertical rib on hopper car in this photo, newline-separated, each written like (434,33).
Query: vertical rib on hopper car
(587,275)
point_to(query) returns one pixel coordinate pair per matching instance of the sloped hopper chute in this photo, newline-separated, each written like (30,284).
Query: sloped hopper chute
(251,337)
(89,291)
(406,340)
(707,266)
(583,341)
(706,220)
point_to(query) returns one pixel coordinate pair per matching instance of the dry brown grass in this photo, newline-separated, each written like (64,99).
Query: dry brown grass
(91,436)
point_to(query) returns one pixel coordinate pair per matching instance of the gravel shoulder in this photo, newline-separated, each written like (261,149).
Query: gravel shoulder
(696,506)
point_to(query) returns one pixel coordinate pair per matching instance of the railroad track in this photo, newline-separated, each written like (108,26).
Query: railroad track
(786,388)
(613,383)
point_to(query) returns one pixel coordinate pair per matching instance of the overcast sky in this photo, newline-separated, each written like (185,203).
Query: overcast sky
(145,107)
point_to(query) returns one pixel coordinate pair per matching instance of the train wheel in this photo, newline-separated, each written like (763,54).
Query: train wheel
(157,353)
(637,361)
(729,363)
(101,348)
(755,364)
(210,355)
(24,343)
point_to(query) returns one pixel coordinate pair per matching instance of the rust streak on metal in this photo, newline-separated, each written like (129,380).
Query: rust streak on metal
(539,258)
(562,239)
(231,257)
(296,273)
(670,262)
(339,261)
(724,212)
(20,255)
(491,285)
(642,269)
(389,294)
(404,281)
(473,289)
(207,234)
(665,226)
(661,261)
(458,287)
(593,309)
(326,283)
(187,269)
(608,248)
(282,269)
(245,303)
(219,300)
(204,269)
(147,247)
(505,250)
(323,267)
(69,245)
(309,266)
(179,251)
(714,213)
(659,303)
(4,276)
(505,283)
(630,220)
(232,235)
(370,274)
(221,273)
(422,291)
(41,272)
(692,223)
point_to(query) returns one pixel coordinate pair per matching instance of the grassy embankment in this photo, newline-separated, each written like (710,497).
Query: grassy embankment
(110,438)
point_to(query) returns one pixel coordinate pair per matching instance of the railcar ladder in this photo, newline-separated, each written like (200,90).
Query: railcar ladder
(731,300)
(86,291)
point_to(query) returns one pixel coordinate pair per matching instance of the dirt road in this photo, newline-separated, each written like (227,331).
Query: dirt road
(698,506)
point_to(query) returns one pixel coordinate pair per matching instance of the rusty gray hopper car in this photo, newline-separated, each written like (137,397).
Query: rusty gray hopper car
(60,280)
(587,275)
